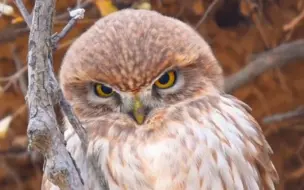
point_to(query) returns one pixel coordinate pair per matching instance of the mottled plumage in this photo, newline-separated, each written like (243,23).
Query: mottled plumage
(193,136)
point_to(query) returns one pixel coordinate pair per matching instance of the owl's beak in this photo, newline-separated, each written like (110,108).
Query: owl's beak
(138,111)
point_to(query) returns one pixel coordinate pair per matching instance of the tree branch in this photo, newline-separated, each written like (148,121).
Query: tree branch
(19,66)
(11,32)
(297,174)
(44,92)
(276,57)
(294,22)
(11,80)
(43,129)
(299,112)
(57,93)
(24,12)
(200,22)
(75,15)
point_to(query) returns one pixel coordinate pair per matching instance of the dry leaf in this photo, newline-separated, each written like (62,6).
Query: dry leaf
(4,126)
(143,5)
(20,141)
(9,11)
(6,9)
(17,20)
(198,7)
(105,7)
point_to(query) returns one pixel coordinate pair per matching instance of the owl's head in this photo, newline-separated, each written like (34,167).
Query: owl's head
(135,62)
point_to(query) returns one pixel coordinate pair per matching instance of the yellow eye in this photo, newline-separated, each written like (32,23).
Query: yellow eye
(167,80)
(103,91)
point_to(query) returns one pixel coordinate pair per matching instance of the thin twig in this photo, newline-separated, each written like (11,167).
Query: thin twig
(11,80)
(14,76)
(75,15)
(12,173)
(257,21)
(294,22)
(296,126)
(74,121)
(297,174)
(15,153)
(19,111)
(19,155)
(277,57)
(200,22)
(65,106)
(11,32)
(19,66)
(83,5)
(24,12)
(299,112)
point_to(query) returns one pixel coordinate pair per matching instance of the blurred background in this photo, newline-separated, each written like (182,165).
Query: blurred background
(262,37)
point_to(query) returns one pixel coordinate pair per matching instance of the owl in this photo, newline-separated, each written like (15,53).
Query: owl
(149,92)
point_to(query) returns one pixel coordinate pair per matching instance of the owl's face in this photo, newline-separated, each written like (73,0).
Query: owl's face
(135,63)
(169,87)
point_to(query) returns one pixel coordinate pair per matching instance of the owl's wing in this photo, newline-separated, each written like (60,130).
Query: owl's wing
(216,144)
(259,156)
(238,140)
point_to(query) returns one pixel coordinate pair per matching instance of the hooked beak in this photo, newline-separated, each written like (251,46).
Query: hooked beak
(138,111)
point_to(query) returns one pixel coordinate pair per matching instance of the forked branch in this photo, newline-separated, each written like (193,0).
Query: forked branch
(43,93)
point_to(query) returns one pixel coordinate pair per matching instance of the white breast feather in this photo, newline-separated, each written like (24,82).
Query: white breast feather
(193,163)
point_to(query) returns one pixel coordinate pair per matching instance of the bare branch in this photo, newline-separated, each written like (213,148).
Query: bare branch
(297,174)
(11,32)
(12,80)
(47,140)
(294,126)
(43,130)
(12,173)
(75,15)
(15,76)
(277,57)
(24,12)
(83,5)
(74,121)
(294,22)
(200,22)
(19,66)
(299,112)
(256,14)
(58,95)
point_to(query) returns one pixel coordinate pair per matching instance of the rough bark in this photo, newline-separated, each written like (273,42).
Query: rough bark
(43,130)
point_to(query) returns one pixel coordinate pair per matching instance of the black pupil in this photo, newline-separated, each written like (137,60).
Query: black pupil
(106,89)
(164,79)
